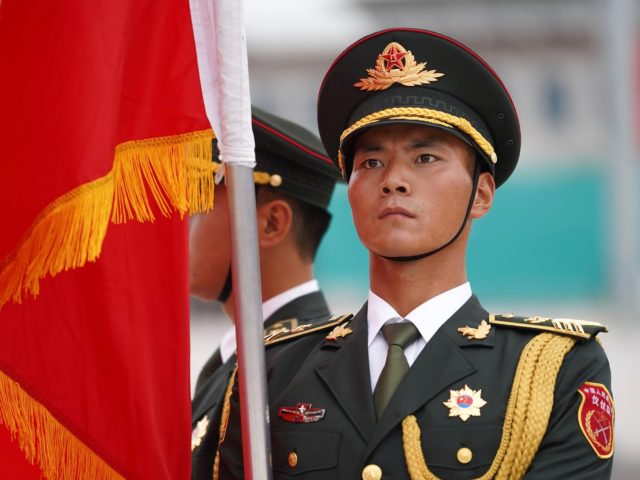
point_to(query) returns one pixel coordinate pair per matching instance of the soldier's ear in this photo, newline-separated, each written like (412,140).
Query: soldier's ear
(484,196)
(275,220)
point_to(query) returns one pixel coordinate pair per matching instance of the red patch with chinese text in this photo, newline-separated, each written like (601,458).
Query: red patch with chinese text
(595,417)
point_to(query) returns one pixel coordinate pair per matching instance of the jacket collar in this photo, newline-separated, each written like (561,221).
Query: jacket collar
(307,308)
(441,363)
(346,374)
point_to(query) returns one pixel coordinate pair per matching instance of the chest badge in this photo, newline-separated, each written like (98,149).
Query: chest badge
(199,432)
(465,403)
(301,413)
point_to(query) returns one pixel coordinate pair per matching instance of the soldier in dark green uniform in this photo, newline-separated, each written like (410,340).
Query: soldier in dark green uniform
(294,180)
(423,382)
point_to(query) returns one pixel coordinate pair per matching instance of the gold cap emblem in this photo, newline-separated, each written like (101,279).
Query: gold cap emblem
(396,64)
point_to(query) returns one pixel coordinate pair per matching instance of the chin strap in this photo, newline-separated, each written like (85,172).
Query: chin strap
(226,288)
(476,176)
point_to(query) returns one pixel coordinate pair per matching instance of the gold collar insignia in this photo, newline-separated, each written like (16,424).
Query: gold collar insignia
(339,332)
(476,333)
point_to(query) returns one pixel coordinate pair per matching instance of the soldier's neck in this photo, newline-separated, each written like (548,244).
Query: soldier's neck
(406,285)
(276,278)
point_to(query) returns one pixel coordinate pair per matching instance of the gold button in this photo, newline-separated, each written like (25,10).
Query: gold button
(371,472)
(275,180)
(293,459)
(464,455)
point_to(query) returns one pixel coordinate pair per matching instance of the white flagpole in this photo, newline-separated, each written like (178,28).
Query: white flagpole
(222,61)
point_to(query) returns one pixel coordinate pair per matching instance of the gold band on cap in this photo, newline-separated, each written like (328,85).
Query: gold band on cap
(426,115)
(260,178)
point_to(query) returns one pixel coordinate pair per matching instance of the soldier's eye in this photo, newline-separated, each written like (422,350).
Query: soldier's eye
(372,163)
(426,158)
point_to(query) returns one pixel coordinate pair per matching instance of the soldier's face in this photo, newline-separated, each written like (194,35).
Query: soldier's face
(409,188)
(210,249)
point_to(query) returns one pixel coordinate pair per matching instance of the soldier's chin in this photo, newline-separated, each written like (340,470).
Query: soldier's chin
(398,250)
(205,294)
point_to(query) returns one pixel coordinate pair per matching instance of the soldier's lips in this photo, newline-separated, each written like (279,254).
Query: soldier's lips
(395,211)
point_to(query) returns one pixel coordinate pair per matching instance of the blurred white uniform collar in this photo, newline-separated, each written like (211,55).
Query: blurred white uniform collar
(228,342)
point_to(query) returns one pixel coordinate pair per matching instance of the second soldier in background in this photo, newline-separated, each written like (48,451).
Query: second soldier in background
(294,183)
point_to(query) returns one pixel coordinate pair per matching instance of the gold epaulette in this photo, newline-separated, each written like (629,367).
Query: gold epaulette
(283,334)
(563,326)
(289,323)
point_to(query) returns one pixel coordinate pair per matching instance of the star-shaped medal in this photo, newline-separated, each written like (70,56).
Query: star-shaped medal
(465,403)
(199,432)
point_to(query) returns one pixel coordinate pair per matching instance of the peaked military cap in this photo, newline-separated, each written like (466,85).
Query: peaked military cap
(419,77)
(290,159)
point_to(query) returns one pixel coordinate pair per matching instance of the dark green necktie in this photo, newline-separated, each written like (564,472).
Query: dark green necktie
(398,336)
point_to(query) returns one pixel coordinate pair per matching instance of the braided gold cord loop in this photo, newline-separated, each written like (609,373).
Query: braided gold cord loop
(414,457)
(531,397)
(224,420)
(426,115)
(541,389)
(521,394)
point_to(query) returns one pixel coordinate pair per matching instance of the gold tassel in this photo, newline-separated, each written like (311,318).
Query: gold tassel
(58,452)
(176,172)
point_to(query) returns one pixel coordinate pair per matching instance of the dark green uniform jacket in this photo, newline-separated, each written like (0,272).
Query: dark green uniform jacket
(341,441)
(212,381)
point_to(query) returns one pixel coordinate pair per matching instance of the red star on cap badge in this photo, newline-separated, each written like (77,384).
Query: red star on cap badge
(394,58)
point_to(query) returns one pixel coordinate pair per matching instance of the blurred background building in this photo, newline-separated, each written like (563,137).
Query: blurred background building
(562,238)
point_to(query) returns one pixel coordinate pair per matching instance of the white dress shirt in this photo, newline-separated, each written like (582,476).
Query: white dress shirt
(427,317)
(228,342)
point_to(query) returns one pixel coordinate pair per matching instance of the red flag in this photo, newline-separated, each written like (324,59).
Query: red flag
(102,123)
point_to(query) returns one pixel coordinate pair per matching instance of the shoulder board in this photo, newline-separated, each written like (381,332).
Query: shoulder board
(563,326)
(283,334)
(289,323)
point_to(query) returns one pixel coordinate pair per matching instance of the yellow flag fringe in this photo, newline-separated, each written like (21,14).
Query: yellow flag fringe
(175,171)
(43,439)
